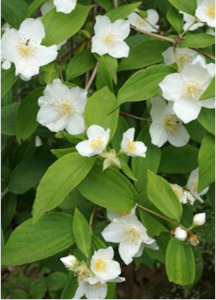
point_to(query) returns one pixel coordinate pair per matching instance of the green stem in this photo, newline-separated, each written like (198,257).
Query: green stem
(4,193)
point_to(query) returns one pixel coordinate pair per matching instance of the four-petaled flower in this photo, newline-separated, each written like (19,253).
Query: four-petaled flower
(97,141)
(62,108)
(130,147)
(109,37)
(23,48)
(147,24)
(206,11)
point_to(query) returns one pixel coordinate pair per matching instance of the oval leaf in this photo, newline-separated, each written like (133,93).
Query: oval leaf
(180,264)
(31,242)
(162,196)
(109,189)
(59,180)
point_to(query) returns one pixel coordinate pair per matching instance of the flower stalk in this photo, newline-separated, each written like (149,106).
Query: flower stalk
(89,83)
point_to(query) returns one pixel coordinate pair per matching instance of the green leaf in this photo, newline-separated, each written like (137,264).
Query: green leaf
(126,170)
(2,240)
(26,122)
(31,242)
(122,12)
(60,27)
(8,79)
(209,92)
(14,11)
(207,119)
(179,160)
(59,180)
(61,152)
(56,281)
(82,233)
(197,40)
(28,173)
(107,72)
(38,289)
(9,114)
(175,19)
(97,243)
(8,208)
(133,91)
(144,54)
(206,162)
(162,196)
(34,6)
(106,4)
(186,6)
(97,110)
(70,287)
(141,165)
(153,226)
(180,264)
(81,63)
(109,189)
(49,72)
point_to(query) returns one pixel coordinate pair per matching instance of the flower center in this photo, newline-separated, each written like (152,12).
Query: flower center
(131,146)
(65,109)
(96,286)
(82,272)
(171,123)
(192,90)
(110,38)
(183,59)
(124,213)
(195,186)
(26,48)
(96,143)
(132,235)
(211,12)
(140,21)
(176,192)
(100,265)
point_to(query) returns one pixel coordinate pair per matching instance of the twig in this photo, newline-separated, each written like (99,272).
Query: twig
(115,3)
(157,214)
(205,53)
(3,194)
(92,217)
(133,116)
(92,77)
(158,36)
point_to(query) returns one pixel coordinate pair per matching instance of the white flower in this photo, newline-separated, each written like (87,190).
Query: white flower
(93,288)
(199,219)
(145,24)
(38,141)
(193,240)
(192,185)
(112,215)
(189,20)
(69,261)
(181,56)
(185,89)
(103,265)
(210,31)
(23,48)
(130,233)
(46,7)
(65,6)
(179,192)
(180,234)
(97,141)
(62,108)
(165,125)
(109,37)
(130,147)
(110,159)
(206,11)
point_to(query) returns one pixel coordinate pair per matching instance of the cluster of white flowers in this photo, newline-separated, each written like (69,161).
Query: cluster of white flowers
(129,232)
(93,279)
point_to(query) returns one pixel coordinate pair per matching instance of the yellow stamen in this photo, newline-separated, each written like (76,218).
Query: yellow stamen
(132,235)
(110,38)
(97,143)
(171,123)
(182,59)
(195,186)
(131,146)
(100,265)
(26,48)
(65,109)
(211,12)
(192,90)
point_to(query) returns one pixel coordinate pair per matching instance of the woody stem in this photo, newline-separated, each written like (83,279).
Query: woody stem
(133,116)
(89,83)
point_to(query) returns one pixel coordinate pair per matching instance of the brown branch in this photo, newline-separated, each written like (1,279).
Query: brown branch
(157,214)
(133,116)
(158,36)
(89,83)
(92,217)
(115,3)
(205,53)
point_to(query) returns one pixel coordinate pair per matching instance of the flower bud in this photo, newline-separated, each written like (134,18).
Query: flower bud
(199,219)
(193,240)
(180,234)
(70,261)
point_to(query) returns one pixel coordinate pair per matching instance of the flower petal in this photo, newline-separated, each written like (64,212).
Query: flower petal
(84,148)
(119,49)
(179,138)
(172,86)
(122,28)
(44,55)
(102,25)
(128,250)
(75,124)
(32,29)
(186,110)
(158,134)
(113,232)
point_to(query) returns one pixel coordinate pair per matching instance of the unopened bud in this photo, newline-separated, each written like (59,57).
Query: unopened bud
(180,234)
(199,219)
(70,261)
(193,240)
